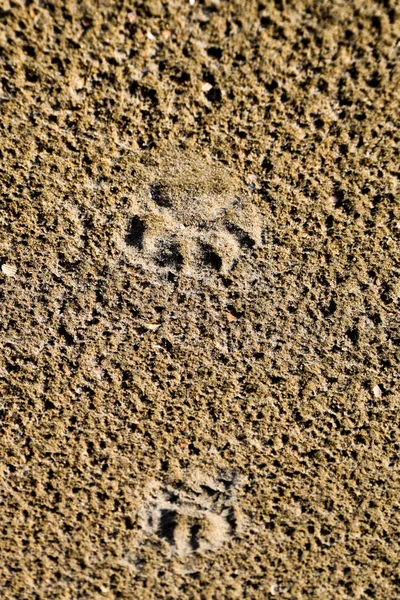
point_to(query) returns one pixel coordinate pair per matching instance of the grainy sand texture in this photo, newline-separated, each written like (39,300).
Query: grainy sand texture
(199,260)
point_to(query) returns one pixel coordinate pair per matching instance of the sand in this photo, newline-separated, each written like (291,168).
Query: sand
(199,299)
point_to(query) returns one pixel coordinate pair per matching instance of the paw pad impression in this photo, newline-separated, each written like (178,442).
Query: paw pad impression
(187,215)
(195,518)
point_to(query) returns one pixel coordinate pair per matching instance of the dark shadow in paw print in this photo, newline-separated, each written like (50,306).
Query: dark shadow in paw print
(211,258)
(244,239)
(135,233)
(170,256)
(168,523)
(159,195)
(194,536)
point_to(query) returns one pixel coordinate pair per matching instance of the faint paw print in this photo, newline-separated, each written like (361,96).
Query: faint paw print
(194,518)
(187,216)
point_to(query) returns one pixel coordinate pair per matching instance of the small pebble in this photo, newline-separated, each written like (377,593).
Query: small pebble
(334,200)
(377,391)
(152,326)
(251,178)
(206,87)
(9,270)
(273,589)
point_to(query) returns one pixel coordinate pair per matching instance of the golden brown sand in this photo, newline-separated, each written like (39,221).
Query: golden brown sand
(199,299)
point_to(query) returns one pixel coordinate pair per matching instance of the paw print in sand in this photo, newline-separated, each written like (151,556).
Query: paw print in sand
(187,216)
(193,518)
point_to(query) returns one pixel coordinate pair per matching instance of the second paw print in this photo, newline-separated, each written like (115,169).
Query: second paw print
(195,518)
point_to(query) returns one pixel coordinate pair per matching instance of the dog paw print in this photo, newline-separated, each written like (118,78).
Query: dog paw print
(192,518)
(188,216)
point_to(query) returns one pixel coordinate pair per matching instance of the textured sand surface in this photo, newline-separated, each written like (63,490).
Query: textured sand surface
(199,299)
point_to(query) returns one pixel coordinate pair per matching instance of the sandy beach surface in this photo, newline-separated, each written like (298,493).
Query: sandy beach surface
(199,260)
